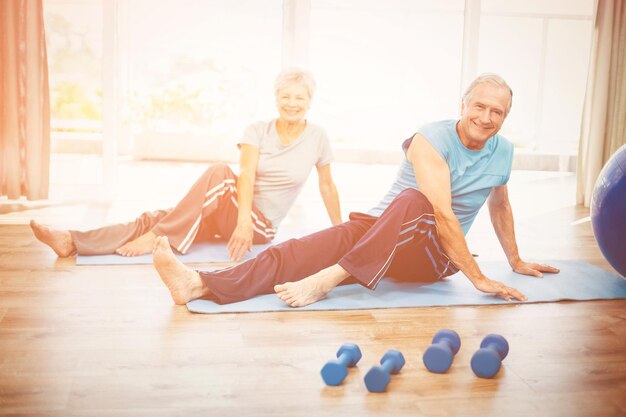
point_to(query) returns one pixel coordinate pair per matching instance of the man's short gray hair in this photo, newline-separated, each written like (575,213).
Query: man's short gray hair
(295,75)
(488,78)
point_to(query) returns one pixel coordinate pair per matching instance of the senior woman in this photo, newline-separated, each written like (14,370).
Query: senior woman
(276,158)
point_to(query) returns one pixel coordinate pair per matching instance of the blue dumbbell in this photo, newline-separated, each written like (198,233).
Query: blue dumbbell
(336,370)
(439,355)
(378,377)
(487,360)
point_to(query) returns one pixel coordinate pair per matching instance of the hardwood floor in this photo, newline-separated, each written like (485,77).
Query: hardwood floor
(108,341)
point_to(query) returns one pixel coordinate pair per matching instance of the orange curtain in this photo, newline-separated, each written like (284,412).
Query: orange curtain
(24,101)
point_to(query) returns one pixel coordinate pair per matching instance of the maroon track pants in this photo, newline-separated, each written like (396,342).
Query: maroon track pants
(402,243)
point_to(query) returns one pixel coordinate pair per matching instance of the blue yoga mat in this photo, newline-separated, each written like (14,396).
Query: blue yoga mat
(204,252)
(577,280)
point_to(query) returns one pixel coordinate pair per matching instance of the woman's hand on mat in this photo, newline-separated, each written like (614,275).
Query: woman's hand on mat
(241,241)
(497,288)
(532,269)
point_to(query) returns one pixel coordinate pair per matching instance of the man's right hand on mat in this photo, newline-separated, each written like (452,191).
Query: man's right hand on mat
(497,288)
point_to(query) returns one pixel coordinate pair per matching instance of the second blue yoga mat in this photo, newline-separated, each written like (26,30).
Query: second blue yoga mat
(205,252)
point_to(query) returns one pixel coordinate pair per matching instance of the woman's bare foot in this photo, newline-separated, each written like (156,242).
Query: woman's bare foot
(184,283)
(59,240)
(140,246)
(311,289)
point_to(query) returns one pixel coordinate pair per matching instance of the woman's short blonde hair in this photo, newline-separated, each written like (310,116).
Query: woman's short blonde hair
(488,78)
(295,75)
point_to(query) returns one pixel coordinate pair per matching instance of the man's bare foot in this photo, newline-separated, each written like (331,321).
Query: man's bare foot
(184,283)
(140,246)
(312,288)
(59,240)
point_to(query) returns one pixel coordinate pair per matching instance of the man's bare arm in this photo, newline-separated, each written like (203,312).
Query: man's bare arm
(433,178)
(501,215)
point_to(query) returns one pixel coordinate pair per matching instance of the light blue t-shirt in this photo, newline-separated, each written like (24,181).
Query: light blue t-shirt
(472,173)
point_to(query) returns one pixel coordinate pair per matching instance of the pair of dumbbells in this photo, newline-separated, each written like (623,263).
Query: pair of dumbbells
(376,379)
(485,362)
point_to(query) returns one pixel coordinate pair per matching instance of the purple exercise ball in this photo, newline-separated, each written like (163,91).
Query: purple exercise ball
(608,211)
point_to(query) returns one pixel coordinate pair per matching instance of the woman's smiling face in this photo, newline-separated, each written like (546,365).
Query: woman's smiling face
(293,102)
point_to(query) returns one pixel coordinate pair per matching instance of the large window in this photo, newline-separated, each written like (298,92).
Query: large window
(200,71)
(192,73)
(542,49)
(384,68)
(74,44)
